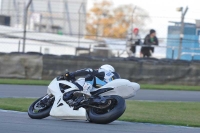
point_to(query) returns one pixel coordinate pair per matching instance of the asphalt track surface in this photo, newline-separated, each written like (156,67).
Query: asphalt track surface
(152,95)
(17,122)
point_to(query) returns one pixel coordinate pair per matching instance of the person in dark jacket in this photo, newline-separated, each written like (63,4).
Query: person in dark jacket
(149,40)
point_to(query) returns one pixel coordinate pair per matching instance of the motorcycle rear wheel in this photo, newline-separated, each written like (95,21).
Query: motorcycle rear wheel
(117,108)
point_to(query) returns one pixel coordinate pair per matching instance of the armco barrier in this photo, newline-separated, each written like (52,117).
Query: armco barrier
(18,65)
(141,70)
(153,71)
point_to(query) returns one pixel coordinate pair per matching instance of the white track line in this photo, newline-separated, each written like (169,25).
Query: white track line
(11,111)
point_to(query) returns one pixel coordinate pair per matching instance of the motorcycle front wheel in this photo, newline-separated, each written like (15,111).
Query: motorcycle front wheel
(115,109)
(38,110)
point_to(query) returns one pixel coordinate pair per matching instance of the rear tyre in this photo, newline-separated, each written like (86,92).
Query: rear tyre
(113,112)
(39,114)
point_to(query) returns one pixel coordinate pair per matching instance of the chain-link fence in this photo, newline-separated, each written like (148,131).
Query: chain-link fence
(52,16)
(64,27)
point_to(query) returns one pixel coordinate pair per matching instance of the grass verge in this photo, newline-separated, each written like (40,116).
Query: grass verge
(173,113)
(169,113)
(143,86)
(16,104)
(24,82)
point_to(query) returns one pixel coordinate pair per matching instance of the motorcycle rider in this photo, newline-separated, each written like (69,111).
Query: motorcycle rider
(94,78)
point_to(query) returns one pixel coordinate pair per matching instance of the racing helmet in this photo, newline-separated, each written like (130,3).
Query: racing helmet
(108,68)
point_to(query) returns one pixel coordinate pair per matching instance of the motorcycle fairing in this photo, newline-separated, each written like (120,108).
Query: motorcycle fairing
(61,109)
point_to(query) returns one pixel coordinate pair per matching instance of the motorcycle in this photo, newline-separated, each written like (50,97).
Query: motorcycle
(105,104)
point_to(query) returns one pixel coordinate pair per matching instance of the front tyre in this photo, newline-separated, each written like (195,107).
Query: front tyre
(38,110)
(109,114)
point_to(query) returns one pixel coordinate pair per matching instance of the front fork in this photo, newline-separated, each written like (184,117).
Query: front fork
(47,100)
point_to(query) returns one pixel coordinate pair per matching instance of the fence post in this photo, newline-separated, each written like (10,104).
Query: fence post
(25,23)
(19,43)
(79,24)
(97,32)
(40,49)
(90,49)
(68,17)
(183,13)
(40,23)
(172,52)
(118,54)
(1,6)
(132,21)
(50,12)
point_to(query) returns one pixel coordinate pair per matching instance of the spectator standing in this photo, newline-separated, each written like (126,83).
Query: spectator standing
(133,40)
(149,40)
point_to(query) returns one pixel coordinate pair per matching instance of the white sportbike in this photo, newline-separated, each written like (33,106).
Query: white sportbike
(105,104)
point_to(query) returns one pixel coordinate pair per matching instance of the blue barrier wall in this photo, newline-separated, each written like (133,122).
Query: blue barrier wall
(189,42)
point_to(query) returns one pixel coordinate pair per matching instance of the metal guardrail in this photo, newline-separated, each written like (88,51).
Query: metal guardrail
(172,47)
(121,51)
(192,54)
